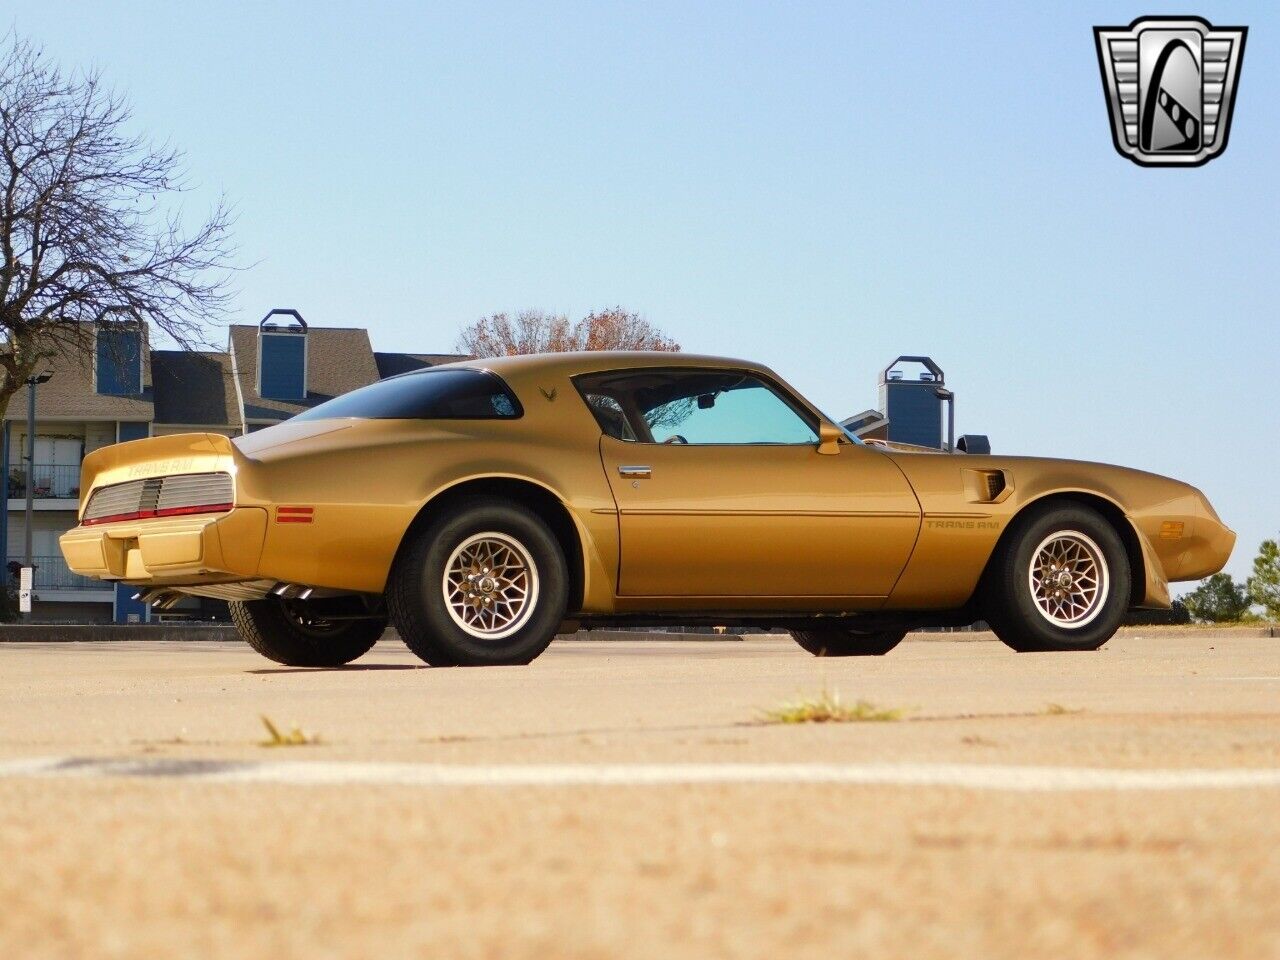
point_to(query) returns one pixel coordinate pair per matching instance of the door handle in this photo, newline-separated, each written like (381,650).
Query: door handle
(636,472)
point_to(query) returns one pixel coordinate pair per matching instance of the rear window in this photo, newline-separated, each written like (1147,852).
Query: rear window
(425,395)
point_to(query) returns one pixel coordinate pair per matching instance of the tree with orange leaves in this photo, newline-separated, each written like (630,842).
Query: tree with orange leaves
(532,331)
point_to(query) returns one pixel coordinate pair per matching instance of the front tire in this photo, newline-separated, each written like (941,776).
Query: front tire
(483,584)
(829,642)
(289,633)
(1060,581)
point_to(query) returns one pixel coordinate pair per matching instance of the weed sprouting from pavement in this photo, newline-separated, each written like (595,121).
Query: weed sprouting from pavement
(1058,710)
(827,707)
(294,738)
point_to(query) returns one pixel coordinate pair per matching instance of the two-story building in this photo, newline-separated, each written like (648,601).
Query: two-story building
(115,387)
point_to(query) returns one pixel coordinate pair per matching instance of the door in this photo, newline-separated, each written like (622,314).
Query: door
(56,471)
(42,468)
(721,491)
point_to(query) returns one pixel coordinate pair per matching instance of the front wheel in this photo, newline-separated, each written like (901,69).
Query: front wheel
(829,642)
(1061,581)
(484,584)
(297,634)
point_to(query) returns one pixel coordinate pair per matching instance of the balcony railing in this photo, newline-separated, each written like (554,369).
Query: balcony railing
(50,574)
(50,481)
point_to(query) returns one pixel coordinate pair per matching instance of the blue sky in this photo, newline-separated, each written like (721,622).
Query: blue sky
(819,186)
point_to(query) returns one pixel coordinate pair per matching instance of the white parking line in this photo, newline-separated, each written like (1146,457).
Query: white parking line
(1251,679)
(321,772)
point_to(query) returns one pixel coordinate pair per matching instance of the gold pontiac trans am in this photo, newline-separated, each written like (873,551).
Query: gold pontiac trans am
(483,507)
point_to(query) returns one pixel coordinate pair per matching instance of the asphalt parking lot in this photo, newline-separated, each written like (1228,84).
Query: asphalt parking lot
(628,799)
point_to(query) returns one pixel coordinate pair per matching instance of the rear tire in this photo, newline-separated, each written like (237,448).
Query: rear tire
(483,584)
(829,642)
(283,633)
(1060,581)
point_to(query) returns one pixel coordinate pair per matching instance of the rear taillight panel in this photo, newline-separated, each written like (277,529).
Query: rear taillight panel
(172,496)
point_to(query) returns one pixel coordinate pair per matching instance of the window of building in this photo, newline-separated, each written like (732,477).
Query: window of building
(425,395)
(694,406)
(282,365)
(118,367)
(55,471)
(132,431)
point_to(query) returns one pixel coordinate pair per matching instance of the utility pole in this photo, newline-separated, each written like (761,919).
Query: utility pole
(29,577)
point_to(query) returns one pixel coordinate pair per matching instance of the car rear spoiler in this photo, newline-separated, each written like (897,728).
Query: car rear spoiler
(156,457)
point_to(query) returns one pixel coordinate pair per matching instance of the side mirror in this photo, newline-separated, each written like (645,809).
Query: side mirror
(829,437)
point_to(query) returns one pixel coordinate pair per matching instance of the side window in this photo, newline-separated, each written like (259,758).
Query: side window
(609,414)
(456,393)
(693,406)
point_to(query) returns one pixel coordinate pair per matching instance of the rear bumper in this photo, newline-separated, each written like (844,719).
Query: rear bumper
(178,550)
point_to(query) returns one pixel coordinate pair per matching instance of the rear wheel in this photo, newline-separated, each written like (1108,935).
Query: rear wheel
(829,642)
(297,634)
(483,584)
(1061,581)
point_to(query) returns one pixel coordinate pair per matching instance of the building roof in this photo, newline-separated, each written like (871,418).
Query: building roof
(194,388)
(391,364)
(70,394)
(217,389)
(864,423)
(339,359)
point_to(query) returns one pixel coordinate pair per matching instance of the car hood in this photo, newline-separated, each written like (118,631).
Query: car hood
(896,446)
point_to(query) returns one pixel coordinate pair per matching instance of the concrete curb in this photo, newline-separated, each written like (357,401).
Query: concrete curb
(112,632)
(224,633)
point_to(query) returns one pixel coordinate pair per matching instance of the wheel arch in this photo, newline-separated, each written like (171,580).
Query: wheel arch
(542,500)
(1111,512)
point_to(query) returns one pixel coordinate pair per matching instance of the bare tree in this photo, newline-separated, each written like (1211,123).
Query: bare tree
(87,240)
(531,331)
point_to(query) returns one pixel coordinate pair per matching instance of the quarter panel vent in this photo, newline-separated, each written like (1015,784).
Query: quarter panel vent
(986,486)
